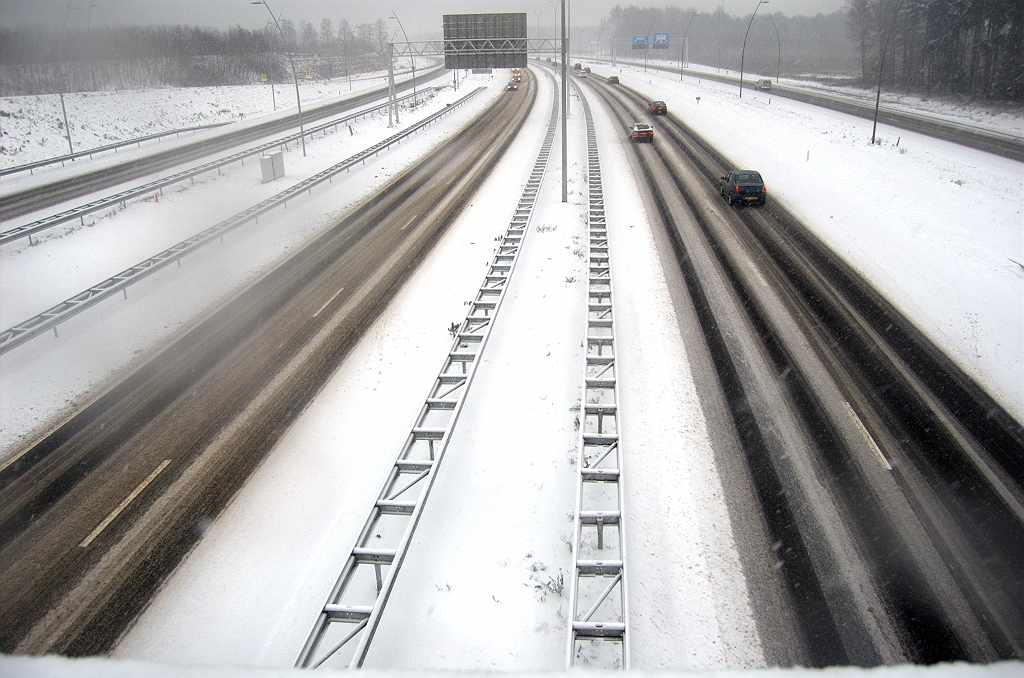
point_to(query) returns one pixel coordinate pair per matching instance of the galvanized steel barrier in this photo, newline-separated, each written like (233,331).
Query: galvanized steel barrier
(51,318)
(355,604)
(599,626)
(79,212)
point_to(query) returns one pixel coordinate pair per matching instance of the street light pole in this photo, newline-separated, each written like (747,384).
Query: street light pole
(686,45)
(63,76)
(411,57)
(881,69)
(554,7)
(778,64)
(743,52)
(565,108)
(295,76)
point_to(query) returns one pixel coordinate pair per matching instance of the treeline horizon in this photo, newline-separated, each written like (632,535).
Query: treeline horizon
(964,48)
(796,46)
(33,61)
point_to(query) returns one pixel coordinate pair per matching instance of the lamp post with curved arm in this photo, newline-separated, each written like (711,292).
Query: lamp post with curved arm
(63,77)
(295,76)
(411,57)
(554,9)
(686,45)
(881,69)
(743,53)
(778,64)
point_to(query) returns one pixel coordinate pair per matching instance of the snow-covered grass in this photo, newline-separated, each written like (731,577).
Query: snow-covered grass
(32,126)
(468,597)
(935,226)
(1004,118)
(40,381)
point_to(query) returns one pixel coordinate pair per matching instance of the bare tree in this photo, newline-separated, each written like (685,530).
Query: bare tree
(365,35)
(859,22)
(309,40)
(326,35)
(380,31)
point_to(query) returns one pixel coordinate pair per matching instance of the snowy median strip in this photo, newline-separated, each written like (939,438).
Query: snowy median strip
(79,212)
(358,597)
(599,564)
(49,319)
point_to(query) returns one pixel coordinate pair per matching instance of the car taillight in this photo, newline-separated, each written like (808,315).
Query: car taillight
(735,189)
(764,189)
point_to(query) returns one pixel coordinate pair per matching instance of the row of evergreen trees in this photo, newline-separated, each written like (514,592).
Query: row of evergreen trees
(34,62)
(968,48)
(795,46)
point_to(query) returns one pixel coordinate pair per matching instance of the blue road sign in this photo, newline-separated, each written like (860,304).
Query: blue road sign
(640,41)
(661,41)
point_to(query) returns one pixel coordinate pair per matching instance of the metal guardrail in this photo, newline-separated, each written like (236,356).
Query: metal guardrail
(102,149)
(356,602)
(599,628)
(1004,144)
(79,212)
(51,318)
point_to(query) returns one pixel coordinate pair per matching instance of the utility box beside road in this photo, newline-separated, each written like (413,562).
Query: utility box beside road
(272,166)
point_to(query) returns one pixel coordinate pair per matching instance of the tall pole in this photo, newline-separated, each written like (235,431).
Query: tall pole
(881,68)
(778,64)
(88,33)
(63,76)
(411,57)
(743,52)
(554,11)
(392,104)
(295,75)
(686,44)
(565,108)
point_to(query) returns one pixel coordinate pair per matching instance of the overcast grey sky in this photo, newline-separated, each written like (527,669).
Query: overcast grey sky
(421,18)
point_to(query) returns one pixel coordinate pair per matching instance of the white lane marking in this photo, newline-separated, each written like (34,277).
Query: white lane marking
(409,222)
(867,436)
(333,297)
(124,504)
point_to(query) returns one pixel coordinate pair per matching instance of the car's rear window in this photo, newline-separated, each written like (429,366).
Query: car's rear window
(747,178)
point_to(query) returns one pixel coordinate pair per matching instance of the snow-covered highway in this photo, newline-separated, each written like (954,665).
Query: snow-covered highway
(482,586)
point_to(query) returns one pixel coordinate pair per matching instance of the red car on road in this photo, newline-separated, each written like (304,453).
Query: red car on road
(659,108)
(642,132)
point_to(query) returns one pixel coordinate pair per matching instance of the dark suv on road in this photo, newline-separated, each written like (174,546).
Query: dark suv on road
(659,108)
(743,186)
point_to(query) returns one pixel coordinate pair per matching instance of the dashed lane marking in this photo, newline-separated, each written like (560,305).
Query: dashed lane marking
(327,303)
(124,504)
